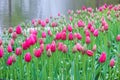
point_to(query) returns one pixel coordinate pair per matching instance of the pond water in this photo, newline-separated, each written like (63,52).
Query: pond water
(13,12)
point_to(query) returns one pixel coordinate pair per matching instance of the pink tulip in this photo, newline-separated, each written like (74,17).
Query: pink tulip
(12,42)
(39,21)
(1,52)
(87,40)
(79,37)
(87,33)
(63,35)
(33,32)
(47,20)
(58,36)
(70,36)
(112,62)
(118,37)
(43,34)
(58,14)
(49,33)
(89,9)
(64,48)
(43,23)
(84,8)
(95,33)
(92,29)
(10,30)
(69,28)
(14,35)
(60,46)
(9,48)
(18,51)
(37,52)
(27,57)
(94,47)
(53,47)
(41,41)
(9,61)
(78,11)
(102,57)
(18,29)
(70,18)
(79,47)
(89,53)
(42,47)
(89,25)
(80,23)
(48,47)
(54,24)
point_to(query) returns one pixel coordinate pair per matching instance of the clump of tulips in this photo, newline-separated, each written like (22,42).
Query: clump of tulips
(86,46)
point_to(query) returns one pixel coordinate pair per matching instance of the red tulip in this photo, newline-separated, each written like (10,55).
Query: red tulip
(95,33)
(9,61)
(87,40)
(43,35)
(118,37)
(1,52)
(89,25)
(18,29)
(89,53)
(18,51)
(70,36)
(112,62)
(37,52)
(27,57)
(69,28)
(102,57)
(9,48)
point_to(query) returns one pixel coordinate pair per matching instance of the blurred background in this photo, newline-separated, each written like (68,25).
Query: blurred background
(13,12)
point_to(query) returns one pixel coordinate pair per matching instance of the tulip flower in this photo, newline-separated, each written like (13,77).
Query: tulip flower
(9,61)
(18,51)
(9,48)
(27,57)
(1,52)
(118,37)
(112,63)
(102,57)
(18,29)
(89,53)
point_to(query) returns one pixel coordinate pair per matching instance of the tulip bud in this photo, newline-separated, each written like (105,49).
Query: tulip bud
(49,52)
(27,57)
(102,57)
(112,63)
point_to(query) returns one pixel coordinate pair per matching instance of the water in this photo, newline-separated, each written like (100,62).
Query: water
(13,12)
